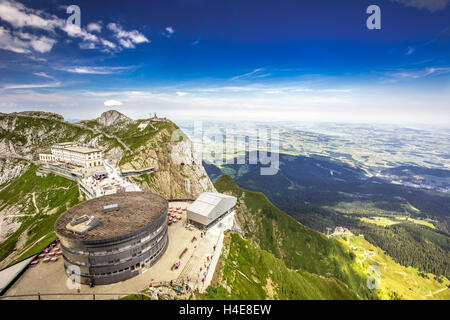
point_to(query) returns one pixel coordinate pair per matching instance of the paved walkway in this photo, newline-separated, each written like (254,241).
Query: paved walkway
(8,274)
(50,278)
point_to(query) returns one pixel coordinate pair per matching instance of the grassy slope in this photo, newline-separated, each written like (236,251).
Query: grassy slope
(248,272)
(397,280)
(53,195)
(296,245)
(136,138)
(52,132)
(32,134)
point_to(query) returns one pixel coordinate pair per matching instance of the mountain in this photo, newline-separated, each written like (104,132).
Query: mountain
(130,144)
(249,273)
(410,224)
(299,247)
(280,258)
(113,117)
(29,206)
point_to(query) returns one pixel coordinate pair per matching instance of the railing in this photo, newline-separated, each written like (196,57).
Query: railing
(137,172)
(40,296)
(88,191)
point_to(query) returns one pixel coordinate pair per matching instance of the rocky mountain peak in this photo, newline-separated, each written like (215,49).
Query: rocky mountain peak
(38,114)
(112,117)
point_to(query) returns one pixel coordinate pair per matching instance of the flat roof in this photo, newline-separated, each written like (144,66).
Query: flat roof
(81,149)
(206,202)
(64,143)
(136,210)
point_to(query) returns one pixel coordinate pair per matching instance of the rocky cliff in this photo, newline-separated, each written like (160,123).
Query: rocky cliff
(30,204)
(113,117)
(179,172)
(135,144)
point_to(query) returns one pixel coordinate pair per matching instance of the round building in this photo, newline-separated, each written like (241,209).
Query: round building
(114,237)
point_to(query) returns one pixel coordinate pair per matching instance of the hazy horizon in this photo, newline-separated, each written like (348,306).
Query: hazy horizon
(216,60)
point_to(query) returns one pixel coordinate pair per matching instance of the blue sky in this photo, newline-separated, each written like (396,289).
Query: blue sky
(263,60)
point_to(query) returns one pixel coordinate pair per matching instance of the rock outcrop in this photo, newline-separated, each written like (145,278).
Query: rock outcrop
(179,172)
(113,117)
(160,145)
(11,168)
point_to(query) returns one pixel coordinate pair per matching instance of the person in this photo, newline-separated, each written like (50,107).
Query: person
(179,290)
(214,247)
(171,283)
(187,287)
(78,289)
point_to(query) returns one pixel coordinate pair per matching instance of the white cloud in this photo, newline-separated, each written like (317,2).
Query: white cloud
(274,91)
(37,59)
(75,31)
(20,16)
(108,44)
(93,70)
(427,106)
(21,42)
(127,43)
(336,90)
(94,27)
(420,73)
(170,30)
(181,94)
(127,39)
(87,45)
(42,44)
(44,75)
(112,103)
(410,51)
(303,90)
(257,73)
(32,86)
(196,42)
(11,43)
(430,5)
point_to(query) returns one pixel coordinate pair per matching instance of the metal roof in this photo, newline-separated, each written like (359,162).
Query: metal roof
(136,211)
(81,149)
(206,202)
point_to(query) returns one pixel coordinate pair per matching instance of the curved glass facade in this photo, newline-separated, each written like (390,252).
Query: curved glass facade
(106,261)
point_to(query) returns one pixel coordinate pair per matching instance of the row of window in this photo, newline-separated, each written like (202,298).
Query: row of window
(117,250)
(122,270)
(125,259)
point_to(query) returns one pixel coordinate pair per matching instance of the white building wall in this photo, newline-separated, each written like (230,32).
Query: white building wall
(62,154)
(219,209)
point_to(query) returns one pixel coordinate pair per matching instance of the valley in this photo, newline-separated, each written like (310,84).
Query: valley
(277,248)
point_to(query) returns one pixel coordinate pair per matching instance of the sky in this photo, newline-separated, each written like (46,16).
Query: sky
(312,60)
